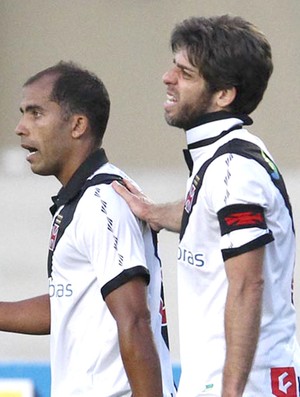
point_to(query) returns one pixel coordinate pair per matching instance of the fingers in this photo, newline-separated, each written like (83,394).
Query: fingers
(121,190)
(131,187)
(138,202)
(125,187)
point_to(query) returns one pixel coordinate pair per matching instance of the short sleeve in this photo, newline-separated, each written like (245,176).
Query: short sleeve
(111,237)
(239,191)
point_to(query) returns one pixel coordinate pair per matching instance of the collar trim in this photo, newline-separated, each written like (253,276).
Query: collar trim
(221,115)
(73,187)
(213,126)
(209,141)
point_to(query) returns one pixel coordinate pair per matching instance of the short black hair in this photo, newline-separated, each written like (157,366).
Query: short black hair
(77,90)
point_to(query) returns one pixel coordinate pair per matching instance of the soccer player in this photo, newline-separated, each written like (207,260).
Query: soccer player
(236,252)
(104,300)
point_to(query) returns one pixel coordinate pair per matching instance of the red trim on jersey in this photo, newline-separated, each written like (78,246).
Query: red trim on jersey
(241,216)
(249,218)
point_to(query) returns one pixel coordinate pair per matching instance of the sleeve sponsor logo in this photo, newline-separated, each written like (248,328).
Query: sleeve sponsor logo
(284,382)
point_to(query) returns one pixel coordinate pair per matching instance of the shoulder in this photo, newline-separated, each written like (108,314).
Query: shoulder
(243,155)
(234,177)
(101,199)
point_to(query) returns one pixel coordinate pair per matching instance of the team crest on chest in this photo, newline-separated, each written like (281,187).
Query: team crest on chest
(190,196)
(54,232)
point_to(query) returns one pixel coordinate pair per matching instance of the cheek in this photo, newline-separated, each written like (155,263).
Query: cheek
(56,140)
(190,96)
(52,149)
(59,149)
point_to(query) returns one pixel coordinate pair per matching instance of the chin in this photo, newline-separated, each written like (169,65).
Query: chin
(177,122)
(172,121)
(40,171)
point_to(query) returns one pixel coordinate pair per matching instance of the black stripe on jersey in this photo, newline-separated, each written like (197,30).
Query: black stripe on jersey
(241,216)
(123,278)
(163,311)
(65,217)
(241,148)
(257,243)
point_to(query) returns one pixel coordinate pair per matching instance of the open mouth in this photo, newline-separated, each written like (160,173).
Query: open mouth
(170,102)
(31,149)
(171,99)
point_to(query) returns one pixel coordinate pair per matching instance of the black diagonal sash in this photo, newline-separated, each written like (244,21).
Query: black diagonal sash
(245,149)
(65,216)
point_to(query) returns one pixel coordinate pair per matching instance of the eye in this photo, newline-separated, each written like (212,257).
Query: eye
(186,74)
(36,113)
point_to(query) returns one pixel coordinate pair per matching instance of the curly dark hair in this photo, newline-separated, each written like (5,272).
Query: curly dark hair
(229,52)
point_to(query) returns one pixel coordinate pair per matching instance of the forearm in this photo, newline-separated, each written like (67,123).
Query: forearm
(30,316)
(242,324)
(166,216)
(141,360)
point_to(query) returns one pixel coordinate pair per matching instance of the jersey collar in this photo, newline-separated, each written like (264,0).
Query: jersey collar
(73,187)
(210,128)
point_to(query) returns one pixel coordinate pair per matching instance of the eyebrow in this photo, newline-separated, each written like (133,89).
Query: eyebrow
(183,67)
(31,108)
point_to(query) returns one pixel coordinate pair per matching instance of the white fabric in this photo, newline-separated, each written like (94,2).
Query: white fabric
(202,283)
(103,240)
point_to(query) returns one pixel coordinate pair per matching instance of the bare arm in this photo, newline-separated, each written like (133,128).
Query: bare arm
(30,316)
(159,216)
(242,318)
(128,305)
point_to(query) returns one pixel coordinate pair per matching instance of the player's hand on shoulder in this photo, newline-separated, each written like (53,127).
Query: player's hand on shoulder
(138,202)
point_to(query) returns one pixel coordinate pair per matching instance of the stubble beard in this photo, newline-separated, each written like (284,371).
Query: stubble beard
(187,117)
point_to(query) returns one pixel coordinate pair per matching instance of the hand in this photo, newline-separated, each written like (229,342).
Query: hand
(141,205)
(158,216)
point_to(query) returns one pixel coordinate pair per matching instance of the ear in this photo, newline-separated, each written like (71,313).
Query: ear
(80,126)
(226,97)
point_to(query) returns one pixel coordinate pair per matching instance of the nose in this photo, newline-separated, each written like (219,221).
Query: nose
(20,128)
(169,77)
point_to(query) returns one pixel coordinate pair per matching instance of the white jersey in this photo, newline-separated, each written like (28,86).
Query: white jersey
(102,247)
(239,207)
